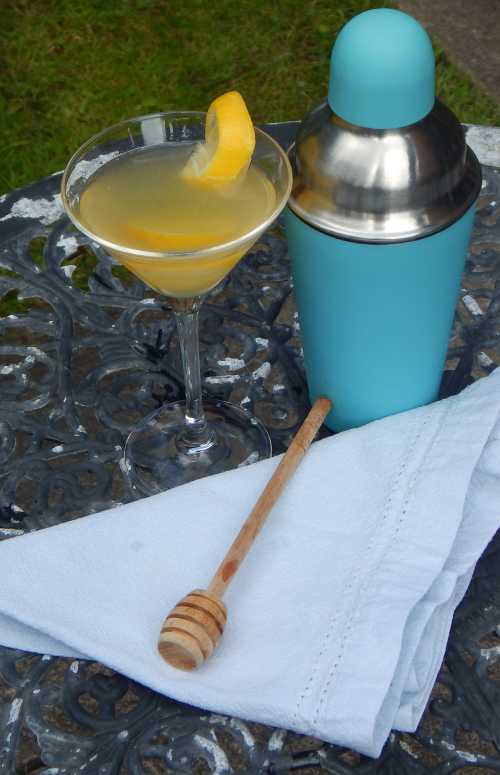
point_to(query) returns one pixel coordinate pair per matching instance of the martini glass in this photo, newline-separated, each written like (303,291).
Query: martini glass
(189,439)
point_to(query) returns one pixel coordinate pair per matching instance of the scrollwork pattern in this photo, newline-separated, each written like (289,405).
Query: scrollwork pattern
(86,351)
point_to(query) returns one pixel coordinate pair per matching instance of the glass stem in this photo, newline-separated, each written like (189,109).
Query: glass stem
(197,435)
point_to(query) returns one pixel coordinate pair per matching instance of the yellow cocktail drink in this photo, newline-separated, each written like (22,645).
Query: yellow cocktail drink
(142,200)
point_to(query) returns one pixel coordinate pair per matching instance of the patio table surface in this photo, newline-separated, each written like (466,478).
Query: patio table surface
(85,354)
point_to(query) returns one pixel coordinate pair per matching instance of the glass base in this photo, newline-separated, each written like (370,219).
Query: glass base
(156,457)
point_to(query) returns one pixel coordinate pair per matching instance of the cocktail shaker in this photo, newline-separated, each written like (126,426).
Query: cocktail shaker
(379,222)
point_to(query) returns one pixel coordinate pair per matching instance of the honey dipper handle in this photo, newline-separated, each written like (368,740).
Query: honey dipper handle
(272,491)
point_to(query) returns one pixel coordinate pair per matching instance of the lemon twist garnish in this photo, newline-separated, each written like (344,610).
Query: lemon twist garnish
(226,154)
(156,240)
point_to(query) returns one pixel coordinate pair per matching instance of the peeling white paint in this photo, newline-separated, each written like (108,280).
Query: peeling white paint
(277,740)
(223,379)
(215,718)
(84,169)
(485,360)
(68,244)
(125,466)
(44,210)
(407,748)
(219,757)
(244,731)
(468,756)
(472,305)
(484,141)
(491,654)
(252,458)
(74,667)
(263,371)
(15,710)
(233,364)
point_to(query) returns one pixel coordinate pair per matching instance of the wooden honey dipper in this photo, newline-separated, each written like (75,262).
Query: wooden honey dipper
(194,627)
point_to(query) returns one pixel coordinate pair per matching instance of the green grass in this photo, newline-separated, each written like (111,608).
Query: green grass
(68,68)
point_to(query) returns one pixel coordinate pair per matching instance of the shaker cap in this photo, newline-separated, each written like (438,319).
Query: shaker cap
(382,160)
(382,71)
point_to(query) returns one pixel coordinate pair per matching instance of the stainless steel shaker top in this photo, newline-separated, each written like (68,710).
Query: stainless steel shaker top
(382,160)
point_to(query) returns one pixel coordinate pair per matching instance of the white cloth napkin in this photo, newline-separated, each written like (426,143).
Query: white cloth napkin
(339,617)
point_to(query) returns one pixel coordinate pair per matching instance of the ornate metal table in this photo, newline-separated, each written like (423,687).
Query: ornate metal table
(86,351)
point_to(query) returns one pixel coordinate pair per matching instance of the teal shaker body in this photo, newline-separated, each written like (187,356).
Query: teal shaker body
(378,223)
(375,318)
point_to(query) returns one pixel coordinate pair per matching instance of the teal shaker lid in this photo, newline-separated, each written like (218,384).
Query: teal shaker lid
(382,71)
